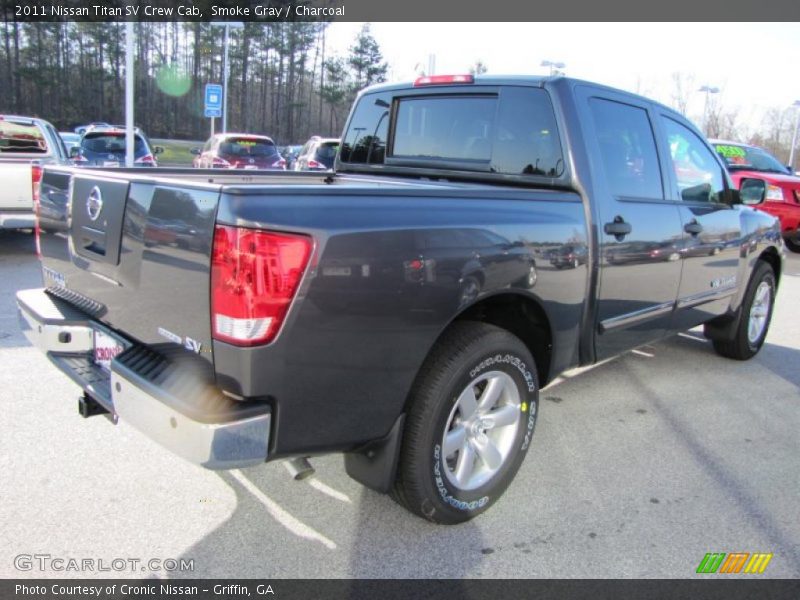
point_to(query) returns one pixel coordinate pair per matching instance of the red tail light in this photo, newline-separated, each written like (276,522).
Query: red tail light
(254,277)
(147,160)
(280,163)
(443,80)
(312,164)
(36,182)
(79,159)
(218,163)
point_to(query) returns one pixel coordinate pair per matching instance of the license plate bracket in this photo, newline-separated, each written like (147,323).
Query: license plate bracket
(106,347)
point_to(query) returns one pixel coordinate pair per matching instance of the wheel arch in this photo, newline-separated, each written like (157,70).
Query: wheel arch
(773,259)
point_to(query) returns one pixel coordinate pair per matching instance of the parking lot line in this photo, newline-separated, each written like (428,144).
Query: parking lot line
(291,523)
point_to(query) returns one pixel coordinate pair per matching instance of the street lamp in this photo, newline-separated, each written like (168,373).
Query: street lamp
(708,90)
(553,66)
(227,25)
(796,107)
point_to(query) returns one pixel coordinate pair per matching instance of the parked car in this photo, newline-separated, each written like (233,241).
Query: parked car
(71,140)
(317,154)
(327,312)
(783,185)
(569,255)
(238,151)
(105,147)
(81,129)
(26,144)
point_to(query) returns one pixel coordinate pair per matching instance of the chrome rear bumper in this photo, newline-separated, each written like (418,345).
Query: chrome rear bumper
(166,393)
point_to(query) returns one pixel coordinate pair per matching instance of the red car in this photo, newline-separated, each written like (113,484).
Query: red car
(783,186)
(238,151)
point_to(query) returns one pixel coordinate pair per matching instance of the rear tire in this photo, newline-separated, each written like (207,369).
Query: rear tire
(757,305)
(470,422)
(793,244)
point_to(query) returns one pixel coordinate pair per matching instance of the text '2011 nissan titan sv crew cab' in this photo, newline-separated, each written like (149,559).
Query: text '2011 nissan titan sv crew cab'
(403,310)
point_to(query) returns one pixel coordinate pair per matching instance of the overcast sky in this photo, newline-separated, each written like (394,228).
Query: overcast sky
(755,65)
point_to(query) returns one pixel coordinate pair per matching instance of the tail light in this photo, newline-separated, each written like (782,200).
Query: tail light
(78,158)
(280,163)
(148,160)
(312,164)
(36,183)
(219,163)
(254,277)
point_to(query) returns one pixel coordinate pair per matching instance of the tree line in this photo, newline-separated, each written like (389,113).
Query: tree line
(283,81)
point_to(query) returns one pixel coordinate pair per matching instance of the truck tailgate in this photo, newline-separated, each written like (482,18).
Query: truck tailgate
(15,193)
(133,254)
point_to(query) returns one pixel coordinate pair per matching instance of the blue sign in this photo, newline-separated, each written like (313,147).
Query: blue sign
(213,103)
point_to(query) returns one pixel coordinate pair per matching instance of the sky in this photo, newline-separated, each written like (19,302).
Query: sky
(755,65)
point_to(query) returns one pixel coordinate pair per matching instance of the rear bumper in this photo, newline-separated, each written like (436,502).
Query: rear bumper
(167,394)
(17,220)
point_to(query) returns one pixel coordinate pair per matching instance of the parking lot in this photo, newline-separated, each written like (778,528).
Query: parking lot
(639,467)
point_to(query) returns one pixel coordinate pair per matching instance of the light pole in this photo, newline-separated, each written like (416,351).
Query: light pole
(227,25)
(796,106)
(708,90)
(553,66)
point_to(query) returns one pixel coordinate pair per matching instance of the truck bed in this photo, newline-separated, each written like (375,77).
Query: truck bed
(391,260)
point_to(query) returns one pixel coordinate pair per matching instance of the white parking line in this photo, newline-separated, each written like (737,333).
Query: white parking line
(329,491)
(294,525)
(689,336)
(643,353)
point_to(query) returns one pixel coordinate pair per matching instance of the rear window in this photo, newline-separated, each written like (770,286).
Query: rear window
(250,147)
(512,132)
(113,143)
(22,138)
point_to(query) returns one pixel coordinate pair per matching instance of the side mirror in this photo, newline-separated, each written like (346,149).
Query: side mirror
(158,150)
(74,151)
(752,191)
(195,150)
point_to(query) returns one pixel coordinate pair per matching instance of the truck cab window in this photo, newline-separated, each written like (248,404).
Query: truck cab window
(628,149)
(697,172)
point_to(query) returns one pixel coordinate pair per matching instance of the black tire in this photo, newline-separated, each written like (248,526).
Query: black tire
(741,347)
(793,244)
(467,351)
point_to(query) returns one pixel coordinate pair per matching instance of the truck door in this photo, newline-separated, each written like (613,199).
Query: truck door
(711,226)
(639,229)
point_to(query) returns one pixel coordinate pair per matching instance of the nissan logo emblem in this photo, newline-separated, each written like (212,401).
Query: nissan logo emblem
(94,203)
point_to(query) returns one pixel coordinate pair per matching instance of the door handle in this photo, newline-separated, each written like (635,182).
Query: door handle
(618,228)
(693,227)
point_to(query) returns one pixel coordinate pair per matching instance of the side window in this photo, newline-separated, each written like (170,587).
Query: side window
(628,149)
(365,140)
(526,139)
(698,173)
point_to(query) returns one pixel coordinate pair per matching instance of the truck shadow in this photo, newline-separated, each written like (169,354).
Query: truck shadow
(286,529)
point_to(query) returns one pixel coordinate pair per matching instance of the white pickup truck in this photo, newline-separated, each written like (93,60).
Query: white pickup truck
(26,144)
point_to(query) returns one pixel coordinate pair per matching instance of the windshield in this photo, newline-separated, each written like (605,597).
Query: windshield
(21,137)
(112,143)
(750,158)
(247,147)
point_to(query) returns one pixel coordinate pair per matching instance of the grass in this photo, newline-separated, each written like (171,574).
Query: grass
(176,152)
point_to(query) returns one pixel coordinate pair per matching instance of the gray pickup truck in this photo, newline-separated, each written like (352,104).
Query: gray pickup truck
(478,237)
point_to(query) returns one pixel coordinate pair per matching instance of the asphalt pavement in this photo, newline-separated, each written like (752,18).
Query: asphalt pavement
(639,467)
